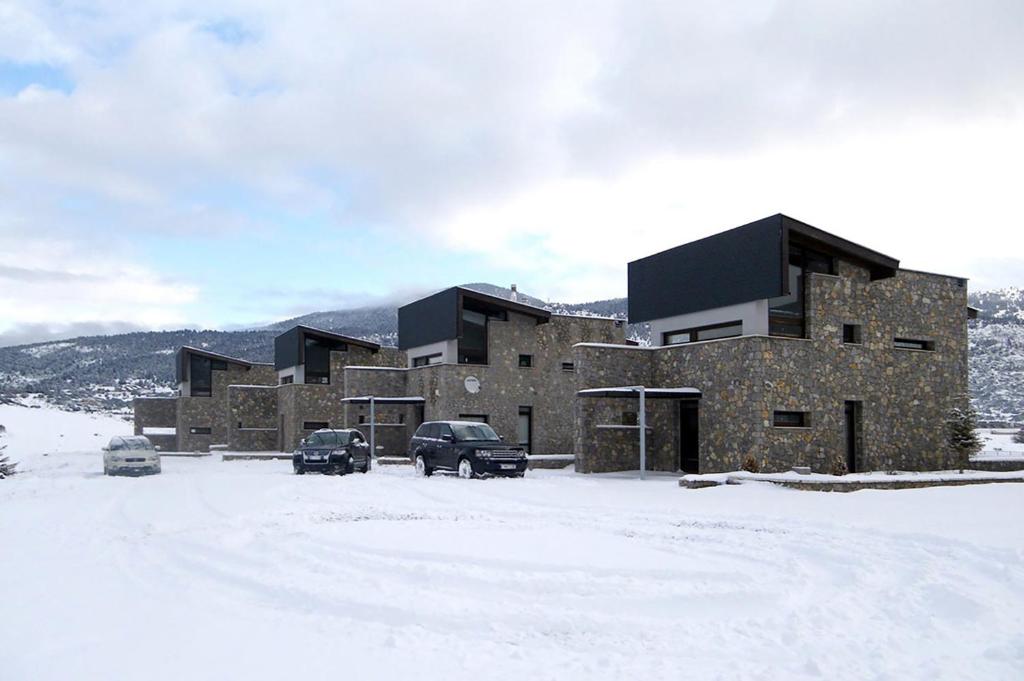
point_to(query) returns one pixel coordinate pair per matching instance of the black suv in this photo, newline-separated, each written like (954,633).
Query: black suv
(470,448)
(332,451)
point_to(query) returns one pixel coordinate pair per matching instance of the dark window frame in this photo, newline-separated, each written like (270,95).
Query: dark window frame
(853,334)
(424,360)
(474,355)
(200,430)
(525,361)
(694,332)
(901,343)
(569,367)
(481,418)
(792,323)
(785,418)
(287,380)
(315,425)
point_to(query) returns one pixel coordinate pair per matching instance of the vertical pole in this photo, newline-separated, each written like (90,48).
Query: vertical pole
(373,428)
(643,433)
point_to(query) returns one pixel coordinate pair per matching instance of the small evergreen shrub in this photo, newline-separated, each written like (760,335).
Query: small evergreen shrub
(962,434)
(838,465)
(751,465)
(1018,437)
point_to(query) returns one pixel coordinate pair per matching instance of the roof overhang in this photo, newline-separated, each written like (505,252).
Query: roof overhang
(329,335)
(649,393)
(365,399)
(185,351)
(494,302)
(880,265)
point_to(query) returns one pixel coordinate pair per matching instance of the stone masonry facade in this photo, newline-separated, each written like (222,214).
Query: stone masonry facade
(547,387)
(905,395)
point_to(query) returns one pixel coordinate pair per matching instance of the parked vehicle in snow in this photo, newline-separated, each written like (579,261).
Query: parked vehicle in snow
(333,451)
(131,455)
(470,448)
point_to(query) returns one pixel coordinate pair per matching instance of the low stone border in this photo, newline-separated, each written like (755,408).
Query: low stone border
(256,456)
(830,483)
(185,455)
(998,465)
(550,461)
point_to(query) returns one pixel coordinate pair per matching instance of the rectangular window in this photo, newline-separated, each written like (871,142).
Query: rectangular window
(479,418)
(851,334)
(426,360)
(786,313)
(524,428)
(362,419)
(200,430)
(314,425)
(791,419)
(473,342)
(525,361)
(629,418)
(285,380)
(568,366)
(702,333)
(913,344)
(317,358)
(200,376)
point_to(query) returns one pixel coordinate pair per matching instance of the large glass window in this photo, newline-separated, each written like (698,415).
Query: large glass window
(200,376)
(702,333)
(318,358)
(786,313)
(473,343)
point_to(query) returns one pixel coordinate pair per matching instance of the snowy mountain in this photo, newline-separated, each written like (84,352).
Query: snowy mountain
(103,373)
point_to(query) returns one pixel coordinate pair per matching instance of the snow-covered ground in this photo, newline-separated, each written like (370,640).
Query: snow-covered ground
(218,570)
(998,444)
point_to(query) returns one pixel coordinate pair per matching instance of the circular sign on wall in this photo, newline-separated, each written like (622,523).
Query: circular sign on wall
(472,384)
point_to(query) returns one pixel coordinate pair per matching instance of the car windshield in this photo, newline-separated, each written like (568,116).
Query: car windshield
(130,443)
(473,431)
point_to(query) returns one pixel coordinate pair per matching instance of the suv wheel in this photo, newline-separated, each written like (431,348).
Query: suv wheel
(422,468)
(366,466)
(465,468)
(350,465)
(299,470)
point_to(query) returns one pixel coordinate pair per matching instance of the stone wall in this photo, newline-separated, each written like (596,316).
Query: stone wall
(212,412)
(395,423)
(505,386)
(905,394)
(157,412)
(252,420)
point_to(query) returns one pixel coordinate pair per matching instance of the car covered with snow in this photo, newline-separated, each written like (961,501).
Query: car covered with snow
(470,448)
(333,451)
(130,455)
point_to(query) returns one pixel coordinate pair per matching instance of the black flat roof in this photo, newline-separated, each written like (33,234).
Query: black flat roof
(739,265)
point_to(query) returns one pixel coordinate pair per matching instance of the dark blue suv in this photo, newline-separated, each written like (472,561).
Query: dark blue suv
(332,451)
(470,448)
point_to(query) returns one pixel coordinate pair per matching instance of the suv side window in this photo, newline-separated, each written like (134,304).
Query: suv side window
(356,436)
(431,431)
(445,430)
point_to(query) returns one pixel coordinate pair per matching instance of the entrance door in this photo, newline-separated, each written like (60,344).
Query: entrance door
(852,430)
(689,436)
(524,429)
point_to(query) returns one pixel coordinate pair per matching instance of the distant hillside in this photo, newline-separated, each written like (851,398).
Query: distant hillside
(103,373)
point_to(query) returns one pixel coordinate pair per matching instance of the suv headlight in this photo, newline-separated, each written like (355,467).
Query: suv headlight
(482,454)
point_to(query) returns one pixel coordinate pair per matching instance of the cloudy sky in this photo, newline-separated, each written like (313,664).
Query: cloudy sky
(223,163)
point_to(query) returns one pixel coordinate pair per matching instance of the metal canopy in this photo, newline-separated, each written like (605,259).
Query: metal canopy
(650,393)
(383,400)
(643,393)
(373,401)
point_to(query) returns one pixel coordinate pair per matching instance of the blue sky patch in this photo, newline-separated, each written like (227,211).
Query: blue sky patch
(15,77)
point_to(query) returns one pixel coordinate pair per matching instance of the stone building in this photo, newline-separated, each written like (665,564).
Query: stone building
(199,415)
(473,356)
(799,347)
(310,366)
